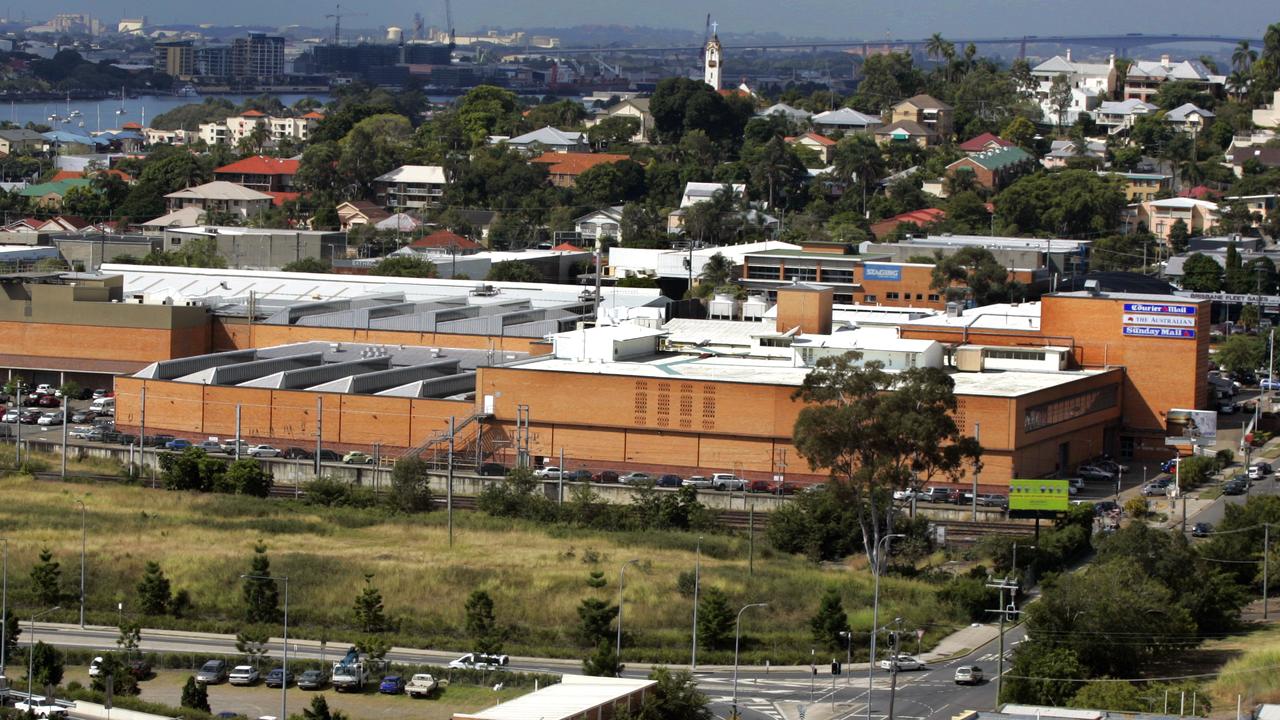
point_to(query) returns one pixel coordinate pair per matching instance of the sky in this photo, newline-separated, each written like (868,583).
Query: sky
(844,19)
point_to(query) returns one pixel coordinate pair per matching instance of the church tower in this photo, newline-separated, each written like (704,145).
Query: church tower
(711,68)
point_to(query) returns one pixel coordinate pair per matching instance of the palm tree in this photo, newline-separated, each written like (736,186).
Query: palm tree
(1237,83)
(1243,56)
(858,157)
(938,48)
(717,271)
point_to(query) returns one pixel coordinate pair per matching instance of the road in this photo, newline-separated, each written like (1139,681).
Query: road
(776,694)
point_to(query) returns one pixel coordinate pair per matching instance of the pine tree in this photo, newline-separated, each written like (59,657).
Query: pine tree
(368,609)
(715,618)
(195,695)
(481,624)
(12,629)
(47,665)
(261,597)
(253,643)
(595,621)
(130,636)
(603,662)
(319,709)
(597,580)
(46,579)
(154,593)
(830,621)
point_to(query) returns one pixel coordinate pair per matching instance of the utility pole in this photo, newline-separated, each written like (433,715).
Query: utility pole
(697,580)
(1266,549)
(448,488)
(319,431)
(977,435)
(893,664)
(1003,584)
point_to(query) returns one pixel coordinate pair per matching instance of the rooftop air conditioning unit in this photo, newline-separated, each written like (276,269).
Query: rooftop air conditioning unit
(485,291)
(954,309)
(1091,287)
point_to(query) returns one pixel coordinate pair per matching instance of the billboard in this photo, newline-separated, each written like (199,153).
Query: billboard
(1039,495)
(1159,320)
(881,271)
(1191,427)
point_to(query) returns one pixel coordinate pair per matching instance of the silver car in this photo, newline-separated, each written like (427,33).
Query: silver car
(213,672)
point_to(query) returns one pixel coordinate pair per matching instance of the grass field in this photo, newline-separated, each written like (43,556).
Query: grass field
(537,576)
(1250,667)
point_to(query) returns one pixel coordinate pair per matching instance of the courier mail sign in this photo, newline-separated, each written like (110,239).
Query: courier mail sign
(1160,320)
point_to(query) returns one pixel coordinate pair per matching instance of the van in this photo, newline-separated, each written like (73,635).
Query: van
(104,405)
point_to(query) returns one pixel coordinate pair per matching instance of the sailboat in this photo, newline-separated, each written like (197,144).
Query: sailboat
(120,110)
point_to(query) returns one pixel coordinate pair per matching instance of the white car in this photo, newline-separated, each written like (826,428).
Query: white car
(36,708)
(698,482)
(263,451)
(903,662)
(54,417)
(478,661)
(86,433)
(908,494)
(550,471)
(968,675)
(44,389)
(728,481)
(243,675)
(95,667)
(11,415)
(421,685)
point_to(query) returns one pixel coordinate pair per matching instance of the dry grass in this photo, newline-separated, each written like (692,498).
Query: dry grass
(535,575)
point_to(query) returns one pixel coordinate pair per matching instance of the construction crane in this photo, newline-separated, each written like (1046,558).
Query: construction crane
(448,20)
(419,24)
(337,16)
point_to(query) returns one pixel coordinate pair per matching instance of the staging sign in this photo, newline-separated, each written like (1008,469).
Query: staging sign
(1159,320)
(880,271)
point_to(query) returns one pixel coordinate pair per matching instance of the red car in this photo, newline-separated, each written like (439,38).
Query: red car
(607,476)
(49,401)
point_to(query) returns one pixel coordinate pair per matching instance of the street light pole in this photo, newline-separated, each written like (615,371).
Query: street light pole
(31,650)
(284,644)
(737,637)
(848,655)
(875,612)
(697,579)
(4,611)
(622,581)
(82,547)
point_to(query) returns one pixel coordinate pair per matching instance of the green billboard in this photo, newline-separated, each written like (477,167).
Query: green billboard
(1039,495)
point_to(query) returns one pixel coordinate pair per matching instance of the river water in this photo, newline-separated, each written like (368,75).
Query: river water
(112,113)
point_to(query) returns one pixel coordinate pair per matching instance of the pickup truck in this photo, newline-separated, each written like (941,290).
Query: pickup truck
(421,685)
(40,710)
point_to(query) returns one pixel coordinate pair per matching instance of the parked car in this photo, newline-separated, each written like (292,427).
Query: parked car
(903,662)
(728,481)
(906,494)
(30,416)
(229,447)
(1269,384)
(297,453)
(355,457)
(635,478)
(83,416)
(1169,466)
(213,672)
(760,486)
(327,455)
(1259,470)
(11,415)
(49,401)
(1201,529)
(263,451)
(243,675)
(698,482)
(177,444)
(391,685)
(669,480)
(549,471)
(936,495)
(313,680)
(421,685)
(1155,488)
(51,418)
(607,476)
(968,675)
(91,434)
(210,446)
(1226,407)
(95,667)
(99,393)
(140,669)
(279,678)
(578,476)
(1094,472)
(993,500)
(1105,507)
(492,469)
(44,389)
(478,661)
(1235,487)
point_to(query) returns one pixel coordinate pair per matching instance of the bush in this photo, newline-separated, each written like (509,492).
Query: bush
(970,596)
(1136,507)
(329,492)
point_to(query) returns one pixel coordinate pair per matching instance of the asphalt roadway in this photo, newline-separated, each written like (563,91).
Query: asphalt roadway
(788,693)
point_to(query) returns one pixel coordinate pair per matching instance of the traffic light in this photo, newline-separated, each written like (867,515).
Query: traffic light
(835,667)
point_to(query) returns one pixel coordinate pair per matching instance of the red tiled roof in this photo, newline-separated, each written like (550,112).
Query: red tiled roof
(1199,192)
(567,247)
(920,217)
(313,115)
(820,139)
(575,163)
(280,198)
(445,239)
(131,126)
(981,142)
(66,175)
(252,113)
(120,174)
(261,165)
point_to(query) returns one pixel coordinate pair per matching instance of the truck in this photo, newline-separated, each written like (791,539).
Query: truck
(350,674)
(36,706)
(421,685)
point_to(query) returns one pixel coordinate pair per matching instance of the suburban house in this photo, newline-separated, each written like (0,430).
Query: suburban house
(1140,186)
(20,140)
(563,168)
(982,143)
(221,196)
(696,192)
(445,242)
(293,128)
(922,219)
(994,169)
(1239,156)
(845,120)
(1159,216)
(261,173)
(786,111)
(927,111)
(411,186)
(214,133)
(399,222)
(1264,117)
(360,212)
(65,142)
(1060,151)
(546,139)
(1145,77)
(1189,118)
(820,144)
(49,195)
(1090,83)
(605,223)
(905,131)
(637,108)
(1121,115)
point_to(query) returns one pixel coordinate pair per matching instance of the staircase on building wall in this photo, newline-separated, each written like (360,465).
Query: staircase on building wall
(470,446)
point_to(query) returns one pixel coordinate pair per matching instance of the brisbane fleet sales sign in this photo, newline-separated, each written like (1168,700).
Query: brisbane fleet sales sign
(1160,320)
